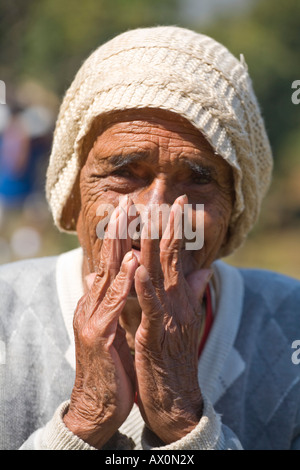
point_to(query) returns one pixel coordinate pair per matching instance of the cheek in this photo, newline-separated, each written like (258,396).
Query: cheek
(216,222)
(96,207)
(212,220)
(94,199)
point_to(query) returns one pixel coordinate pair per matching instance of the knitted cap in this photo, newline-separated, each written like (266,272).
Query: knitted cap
(181,71)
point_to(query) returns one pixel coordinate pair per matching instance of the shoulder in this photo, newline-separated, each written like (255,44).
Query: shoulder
(264,296)
(31,267)
(24,277)
(271,304)
(262,277)
(260,282)
(24,285)
(273,287)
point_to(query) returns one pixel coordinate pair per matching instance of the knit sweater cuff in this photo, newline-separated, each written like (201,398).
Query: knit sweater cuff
(56,435)
(207,435)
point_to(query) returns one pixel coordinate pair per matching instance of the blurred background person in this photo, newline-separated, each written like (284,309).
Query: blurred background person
(15,162)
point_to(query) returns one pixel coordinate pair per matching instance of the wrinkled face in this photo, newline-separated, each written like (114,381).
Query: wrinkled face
(155,156)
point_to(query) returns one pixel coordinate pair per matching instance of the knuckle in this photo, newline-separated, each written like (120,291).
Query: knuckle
(81,302)
(79,312)
(90,338)
(86,335)
(112,294)
(171,285)
(175,263)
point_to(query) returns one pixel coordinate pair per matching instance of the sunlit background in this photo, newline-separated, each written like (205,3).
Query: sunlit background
(42,45)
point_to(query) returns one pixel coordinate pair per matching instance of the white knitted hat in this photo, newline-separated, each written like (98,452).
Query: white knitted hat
(181,71)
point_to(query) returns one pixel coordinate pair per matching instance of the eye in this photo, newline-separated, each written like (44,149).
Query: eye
(202,178)
(136,174)
(122,172)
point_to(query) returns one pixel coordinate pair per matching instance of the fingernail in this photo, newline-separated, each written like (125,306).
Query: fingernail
(123,200)
(184,198)
(143,274)
(114,214)
(128,257)
(180,200)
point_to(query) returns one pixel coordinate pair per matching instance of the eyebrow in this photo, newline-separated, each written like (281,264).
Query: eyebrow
(199,168)
(118,161)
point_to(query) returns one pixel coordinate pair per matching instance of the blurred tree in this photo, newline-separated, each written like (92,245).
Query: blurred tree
(49,39)
(269,38)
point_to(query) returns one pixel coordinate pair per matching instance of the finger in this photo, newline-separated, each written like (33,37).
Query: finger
(116,242)
(114,247)
(111,255)
(152,314)
(150,253)
(107,314)
(126,217)
(98,285)
(171,244)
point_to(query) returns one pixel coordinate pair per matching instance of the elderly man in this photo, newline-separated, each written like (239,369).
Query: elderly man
(136,340)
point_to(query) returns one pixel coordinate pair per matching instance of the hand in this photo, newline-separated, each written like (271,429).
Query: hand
(167,340)
(103,393)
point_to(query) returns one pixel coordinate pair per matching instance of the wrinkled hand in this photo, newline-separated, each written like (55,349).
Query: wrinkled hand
(167,339)
(104,388)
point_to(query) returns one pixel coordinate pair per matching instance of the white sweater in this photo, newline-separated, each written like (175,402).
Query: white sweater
(251,387)
(211,363)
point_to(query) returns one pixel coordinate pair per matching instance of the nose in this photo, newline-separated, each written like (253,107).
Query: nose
(158,192)
(154,204)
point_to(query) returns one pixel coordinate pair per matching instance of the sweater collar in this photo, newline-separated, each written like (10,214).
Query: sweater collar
(220,363)
(70,290)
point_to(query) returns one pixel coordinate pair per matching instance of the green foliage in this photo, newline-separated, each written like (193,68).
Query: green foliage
(269,38)
(49,39)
